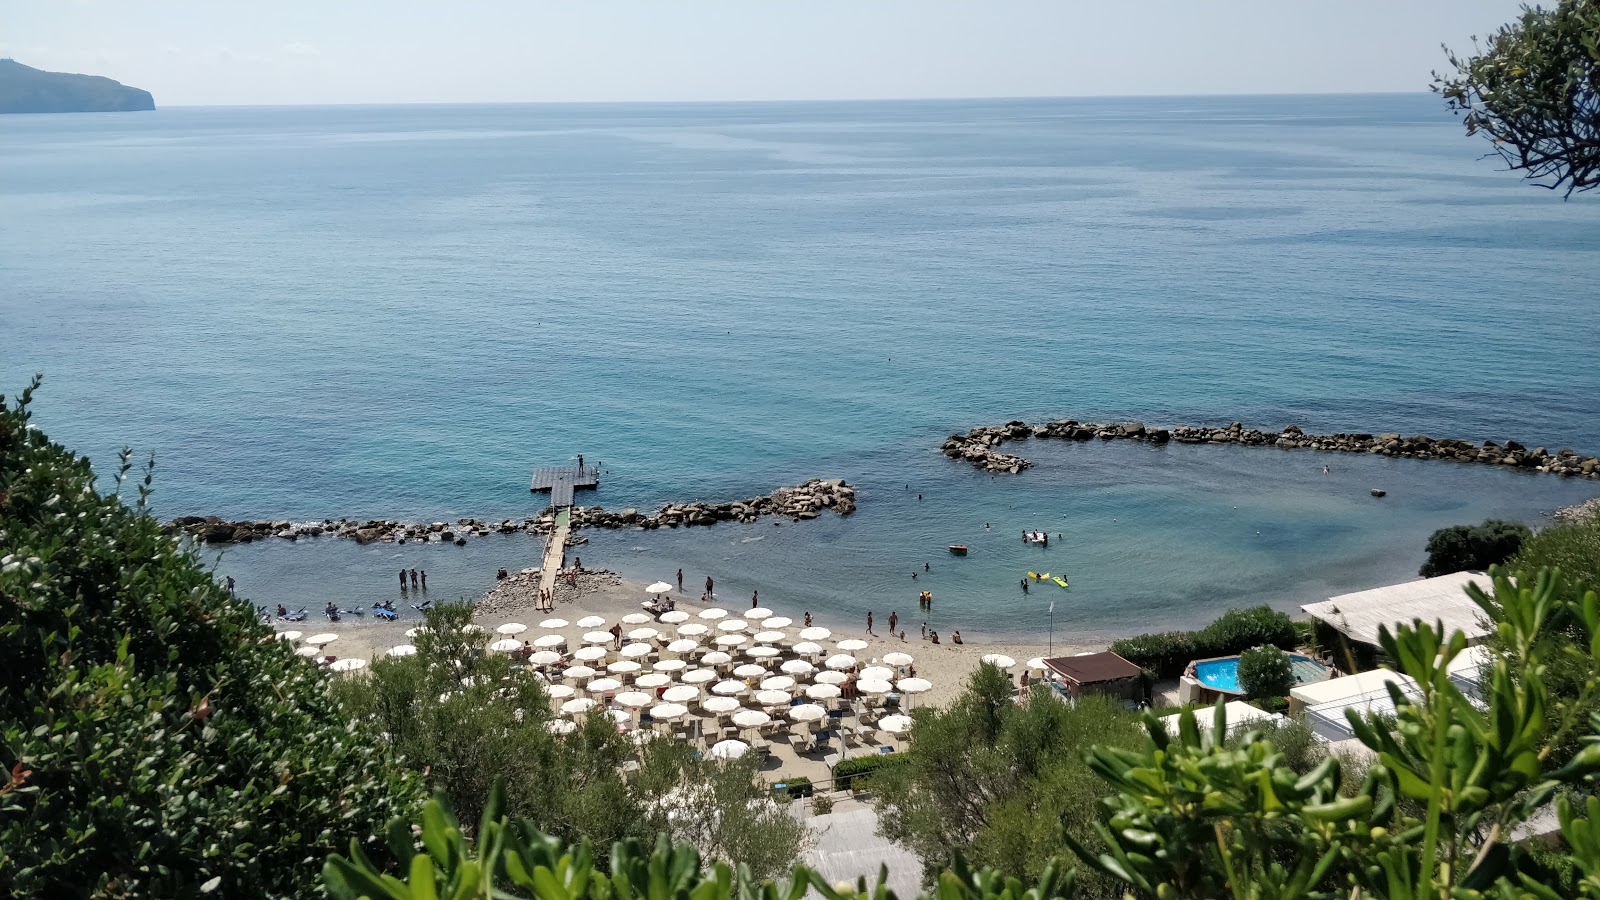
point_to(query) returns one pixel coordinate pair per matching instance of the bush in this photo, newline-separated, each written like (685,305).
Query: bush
(853,774)
(1265,672)
(1167,654)
(797,787)
(160,740)
(1461,548)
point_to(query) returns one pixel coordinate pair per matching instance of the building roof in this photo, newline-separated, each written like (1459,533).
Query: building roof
(1092,668)
(1237,713)
(1358,616)
(1326,702)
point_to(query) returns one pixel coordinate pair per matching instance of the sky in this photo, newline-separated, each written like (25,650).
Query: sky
(220,52)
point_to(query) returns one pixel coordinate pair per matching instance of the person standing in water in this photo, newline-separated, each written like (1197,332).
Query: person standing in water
(710,593)
(869,623)
(680,581)
(402,580)
(894,619)
(414,581)
(753,599)
(424,579)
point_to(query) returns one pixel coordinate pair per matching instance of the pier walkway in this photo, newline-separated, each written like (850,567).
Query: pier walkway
(562,482)
(555,550)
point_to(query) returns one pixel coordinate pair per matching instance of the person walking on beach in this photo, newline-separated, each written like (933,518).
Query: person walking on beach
(753,599)
(616,634)
(680,581)
(808,618)
(924,630)
(894,619)
(869,623)
(424,579)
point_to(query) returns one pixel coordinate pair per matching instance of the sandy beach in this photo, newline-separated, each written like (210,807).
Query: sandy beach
(604,594)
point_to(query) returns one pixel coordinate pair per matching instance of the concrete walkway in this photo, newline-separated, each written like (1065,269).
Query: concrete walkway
(848,847)
(555,551)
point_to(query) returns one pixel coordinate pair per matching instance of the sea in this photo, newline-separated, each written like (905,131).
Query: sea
(401,311)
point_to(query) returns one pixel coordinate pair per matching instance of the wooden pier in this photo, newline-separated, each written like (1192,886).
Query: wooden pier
(561,482)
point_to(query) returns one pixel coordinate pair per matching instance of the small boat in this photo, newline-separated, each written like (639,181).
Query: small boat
(958,549)
(1062,582)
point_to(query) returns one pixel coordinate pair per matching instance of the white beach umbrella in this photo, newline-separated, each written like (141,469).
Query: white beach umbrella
(666,712)
(308,652)
(636,619)
(288,635)
(604,686)
(815,634)
(512,628)
(840,661)
(778,683)
(671,665)
(636,651)
(561,726)
(895,724)
(851,645)
(693,629)
(772,698)
(750,718)
(473,628)
(750,670)
(545,658)
(698,676)
(674,616)
(879,672)
(318,640)
(897,659)
(874,686)
(757,613)
(579,672)
(634,699)
(592,622)
(1034,665)
(999,659)
(348,664)
(683,645)
(808,648)
(797,667)
(547,641)
(807,712)
(652,680)
(624,667)
(731,640)
(728,688)
(713,613)
(822,691)
(577,705)
(643,634)
(769,637)
(506,646)
(597,637)
(831,677)
(413,632)
(732,625)
(681,693)
(719,704)
(716,658)
(776,622)
(729,749)
(401,650)
(560,691)
(551,624)
(761,652)
(590,653)
(914,685)
(660,587)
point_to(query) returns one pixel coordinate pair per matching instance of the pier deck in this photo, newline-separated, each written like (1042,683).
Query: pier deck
(562,481)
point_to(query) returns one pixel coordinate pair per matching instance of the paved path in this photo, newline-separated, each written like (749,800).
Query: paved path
(848,847)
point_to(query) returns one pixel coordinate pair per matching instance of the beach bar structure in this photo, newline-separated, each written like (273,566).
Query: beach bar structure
(1097,673)
(1444,599)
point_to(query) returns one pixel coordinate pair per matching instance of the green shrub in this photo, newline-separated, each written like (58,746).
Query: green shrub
(796,787)
(853,774)
(1265,672)
(160,741)
(1460,548)
(1167,654)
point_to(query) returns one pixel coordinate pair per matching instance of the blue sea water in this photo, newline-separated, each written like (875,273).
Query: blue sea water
(400,311)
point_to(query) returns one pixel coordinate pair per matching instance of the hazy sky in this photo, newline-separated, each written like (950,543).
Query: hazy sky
(401,51)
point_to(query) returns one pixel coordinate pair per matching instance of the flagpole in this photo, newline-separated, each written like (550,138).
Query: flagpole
(1052,649)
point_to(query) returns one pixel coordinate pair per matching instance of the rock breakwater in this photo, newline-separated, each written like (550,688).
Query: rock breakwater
(979,447)
(799,502)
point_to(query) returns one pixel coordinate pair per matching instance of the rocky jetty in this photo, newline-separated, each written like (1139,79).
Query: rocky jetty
(1587,511)
(980,446)
(800,502)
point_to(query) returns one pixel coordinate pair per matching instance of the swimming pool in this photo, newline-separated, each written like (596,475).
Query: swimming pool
(1223,674)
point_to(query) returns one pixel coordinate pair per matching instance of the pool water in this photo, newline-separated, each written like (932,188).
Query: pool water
(1223,674)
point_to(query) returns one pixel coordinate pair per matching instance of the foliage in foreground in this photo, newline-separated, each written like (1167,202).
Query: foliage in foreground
(1534,92)
(157,741)
(1167,653)
(1462,548)
(469,719)
(1196,814)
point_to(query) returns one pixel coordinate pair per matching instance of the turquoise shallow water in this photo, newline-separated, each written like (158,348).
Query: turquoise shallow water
(399,311)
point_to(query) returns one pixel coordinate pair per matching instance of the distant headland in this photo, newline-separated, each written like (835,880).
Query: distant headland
(24,89)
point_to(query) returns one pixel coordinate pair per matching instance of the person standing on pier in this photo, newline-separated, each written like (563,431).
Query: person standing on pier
(580,463)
